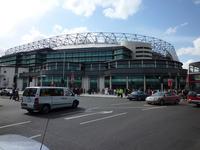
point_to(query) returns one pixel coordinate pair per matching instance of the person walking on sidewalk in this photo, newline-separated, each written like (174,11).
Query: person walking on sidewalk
(16,95)
(121,92)
(12,94)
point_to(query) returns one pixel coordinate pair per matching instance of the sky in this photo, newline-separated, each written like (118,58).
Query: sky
(175,21)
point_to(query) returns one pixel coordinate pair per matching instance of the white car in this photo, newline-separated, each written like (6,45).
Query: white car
(18,142)
(43,99)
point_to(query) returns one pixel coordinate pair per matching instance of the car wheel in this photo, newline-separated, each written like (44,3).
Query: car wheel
(30,111)
(45,109)
(75,104)
(176,102)
(162,102)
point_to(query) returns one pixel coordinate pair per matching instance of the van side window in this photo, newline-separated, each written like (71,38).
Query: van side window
(45,92)
(58,92)
(68,93)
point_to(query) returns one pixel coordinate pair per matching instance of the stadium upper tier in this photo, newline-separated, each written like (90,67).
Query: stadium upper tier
(96,38)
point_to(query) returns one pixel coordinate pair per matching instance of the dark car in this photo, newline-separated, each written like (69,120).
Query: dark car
(137,95)
(6,92)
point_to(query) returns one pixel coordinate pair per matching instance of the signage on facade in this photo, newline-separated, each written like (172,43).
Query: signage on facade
(170,81)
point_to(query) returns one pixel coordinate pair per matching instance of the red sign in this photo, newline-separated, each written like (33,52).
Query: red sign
(170,81)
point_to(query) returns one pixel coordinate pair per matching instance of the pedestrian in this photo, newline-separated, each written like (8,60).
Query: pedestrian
(121,92)
(12,94)
(16,95)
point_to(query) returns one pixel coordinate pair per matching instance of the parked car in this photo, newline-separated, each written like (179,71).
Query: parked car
(137,95)
(193,98)
(43,99)
(163,98)
(6,92)
(18,142)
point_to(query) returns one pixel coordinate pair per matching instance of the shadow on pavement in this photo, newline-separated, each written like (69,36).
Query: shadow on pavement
(57,113)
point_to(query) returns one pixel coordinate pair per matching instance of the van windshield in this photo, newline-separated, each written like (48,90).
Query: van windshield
(30,92)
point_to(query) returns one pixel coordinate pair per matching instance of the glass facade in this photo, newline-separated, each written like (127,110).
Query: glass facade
(70,67)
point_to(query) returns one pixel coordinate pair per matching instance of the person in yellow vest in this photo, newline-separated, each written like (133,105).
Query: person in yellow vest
(121,92)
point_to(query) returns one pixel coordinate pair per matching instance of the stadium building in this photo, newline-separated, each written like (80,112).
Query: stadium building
(95,61)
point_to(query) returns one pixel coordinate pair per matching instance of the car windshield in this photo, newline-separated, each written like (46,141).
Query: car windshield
(134,93)
(192,93)
(30,92)
(159,94)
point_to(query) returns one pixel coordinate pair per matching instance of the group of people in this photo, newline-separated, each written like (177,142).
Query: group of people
(14,95)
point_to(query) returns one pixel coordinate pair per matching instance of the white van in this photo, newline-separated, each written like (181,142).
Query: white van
(43,99)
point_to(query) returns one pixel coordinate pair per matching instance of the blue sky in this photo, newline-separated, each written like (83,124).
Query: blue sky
(175,21)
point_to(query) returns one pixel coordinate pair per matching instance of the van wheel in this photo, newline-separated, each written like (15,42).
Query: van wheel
(30,111)
(45,109)
(75,104)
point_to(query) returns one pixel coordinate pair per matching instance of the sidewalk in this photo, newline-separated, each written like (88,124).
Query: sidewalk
(99,95)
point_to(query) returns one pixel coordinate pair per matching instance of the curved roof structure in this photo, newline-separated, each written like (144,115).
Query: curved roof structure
(95,38)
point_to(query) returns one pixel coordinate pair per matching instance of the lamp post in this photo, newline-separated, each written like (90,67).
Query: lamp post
(41,77)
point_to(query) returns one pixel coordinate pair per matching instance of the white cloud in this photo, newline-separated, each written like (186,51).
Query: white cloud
(81,7)
(172,30)
(35,35)
(120,9)
(13,13)
(58,29)
(196,2)
(186,64)
(195,50)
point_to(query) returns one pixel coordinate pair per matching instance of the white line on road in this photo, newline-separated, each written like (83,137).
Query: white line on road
(80,116)
(90,121)
(154,108)
(15,124)
(125,107)
(35,136)
(147,105)
(122,103)
(92,108)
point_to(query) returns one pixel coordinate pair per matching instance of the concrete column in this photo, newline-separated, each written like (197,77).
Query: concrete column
(110,82)
(127,82)
(20,84)
(144,83)
(85,83)
(101,84)
(67,82)
(176,82)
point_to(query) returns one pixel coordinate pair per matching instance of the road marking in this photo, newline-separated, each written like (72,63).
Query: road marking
(92,108)
(80,116)
(122,103)
(71,113)
(90,121)
(154,108)
(15,124)
(147,105)
(125,107)
(35,136)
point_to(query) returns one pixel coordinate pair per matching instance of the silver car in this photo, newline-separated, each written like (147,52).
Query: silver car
(18,142)
(163,98)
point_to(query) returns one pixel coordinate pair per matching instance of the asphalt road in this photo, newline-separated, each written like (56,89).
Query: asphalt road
(107,124)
